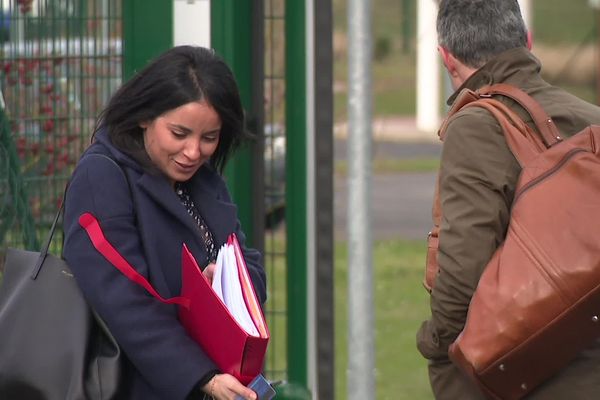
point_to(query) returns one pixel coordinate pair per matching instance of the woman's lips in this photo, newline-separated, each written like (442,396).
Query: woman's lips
(186,167)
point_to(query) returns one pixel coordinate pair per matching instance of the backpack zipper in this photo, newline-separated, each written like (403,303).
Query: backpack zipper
(546,174)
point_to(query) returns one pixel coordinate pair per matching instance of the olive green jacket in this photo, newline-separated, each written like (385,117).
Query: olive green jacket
(478,175)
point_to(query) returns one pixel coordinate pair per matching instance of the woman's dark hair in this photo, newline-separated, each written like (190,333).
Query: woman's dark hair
(179,76)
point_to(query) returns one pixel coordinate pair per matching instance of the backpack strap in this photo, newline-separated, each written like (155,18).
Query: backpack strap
(546,127)
(524,143)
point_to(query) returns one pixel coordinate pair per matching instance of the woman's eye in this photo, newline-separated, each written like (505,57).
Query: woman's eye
(211,139)
(178,134)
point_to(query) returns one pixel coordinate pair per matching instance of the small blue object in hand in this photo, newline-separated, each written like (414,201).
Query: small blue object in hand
(261,387)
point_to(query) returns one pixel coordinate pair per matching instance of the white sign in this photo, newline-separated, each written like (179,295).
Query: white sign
(191,22)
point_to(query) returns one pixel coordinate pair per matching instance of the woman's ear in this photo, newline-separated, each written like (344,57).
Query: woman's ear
(144,125)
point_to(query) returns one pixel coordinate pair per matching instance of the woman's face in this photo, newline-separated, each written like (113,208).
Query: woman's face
(181,140)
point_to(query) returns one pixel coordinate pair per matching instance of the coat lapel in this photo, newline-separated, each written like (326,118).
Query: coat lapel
(219,214)
(159,190)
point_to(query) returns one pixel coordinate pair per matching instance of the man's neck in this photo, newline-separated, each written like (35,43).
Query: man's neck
(462,73)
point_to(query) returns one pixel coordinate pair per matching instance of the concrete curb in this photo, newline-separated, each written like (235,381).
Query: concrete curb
(391,129)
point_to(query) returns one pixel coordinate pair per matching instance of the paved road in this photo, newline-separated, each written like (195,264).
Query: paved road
(401,203)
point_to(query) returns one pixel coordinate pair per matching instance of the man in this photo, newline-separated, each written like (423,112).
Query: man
(483,42)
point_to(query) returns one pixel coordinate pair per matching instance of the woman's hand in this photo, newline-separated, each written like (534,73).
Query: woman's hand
(209,271)
(226,387)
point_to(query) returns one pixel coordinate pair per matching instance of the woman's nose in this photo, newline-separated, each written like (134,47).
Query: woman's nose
(192,150)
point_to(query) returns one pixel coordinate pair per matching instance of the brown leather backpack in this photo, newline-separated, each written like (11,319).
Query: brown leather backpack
(537,304)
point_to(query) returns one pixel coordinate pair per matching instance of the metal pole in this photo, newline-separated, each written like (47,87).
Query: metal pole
(361,358)
(322,47)
(428,67)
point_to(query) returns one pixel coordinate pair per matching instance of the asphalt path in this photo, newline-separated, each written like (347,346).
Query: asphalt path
(400,202)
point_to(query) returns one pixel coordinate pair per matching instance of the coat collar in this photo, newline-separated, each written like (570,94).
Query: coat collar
(210,196)
(517,66)
(219,214)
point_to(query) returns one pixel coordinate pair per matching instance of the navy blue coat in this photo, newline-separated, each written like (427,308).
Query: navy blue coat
(146,222)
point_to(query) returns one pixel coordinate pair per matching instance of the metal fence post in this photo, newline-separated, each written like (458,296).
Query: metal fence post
(296,207)
(361,364)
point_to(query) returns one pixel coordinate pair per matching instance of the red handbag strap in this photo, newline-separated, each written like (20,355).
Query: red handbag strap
(92,227)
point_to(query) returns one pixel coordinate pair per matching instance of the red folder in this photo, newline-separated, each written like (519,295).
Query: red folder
(201,311)
(209,322)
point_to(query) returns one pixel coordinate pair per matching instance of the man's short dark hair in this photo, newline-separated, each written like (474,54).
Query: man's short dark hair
(475,31)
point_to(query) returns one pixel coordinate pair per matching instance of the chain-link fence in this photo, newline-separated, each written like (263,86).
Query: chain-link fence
(275,240)
(60,61)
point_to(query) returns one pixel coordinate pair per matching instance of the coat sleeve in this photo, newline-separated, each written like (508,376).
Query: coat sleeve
(478,174)
(147,330)
(251,256)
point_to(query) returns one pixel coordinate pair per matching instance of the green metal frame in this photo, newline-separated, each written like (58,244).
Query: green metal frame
(296,195)
(147,32)
(231,37)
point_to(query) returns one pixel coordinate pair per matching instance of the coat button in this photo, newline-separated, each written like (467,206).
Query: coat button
(435,339)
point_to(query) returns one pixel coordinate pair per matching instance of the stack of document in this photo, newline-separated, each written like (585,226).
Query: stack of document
(225,317)
(231,282)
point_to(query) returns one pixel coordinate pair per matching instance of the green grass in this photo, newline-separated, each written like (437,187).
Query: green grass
(274,261)
(395,165)
(401,304)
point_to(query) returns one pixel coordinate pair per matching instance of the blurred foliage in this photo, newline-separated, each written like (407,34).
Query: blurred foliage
(568,28)
(560,21)
(382,48)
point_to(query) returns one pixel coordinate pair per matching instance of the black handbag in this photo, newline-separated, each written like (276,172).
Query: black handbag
(53,346)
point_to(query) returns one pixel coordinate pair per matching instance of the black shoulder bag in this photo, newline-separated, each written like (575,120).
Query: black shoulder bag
(53,346)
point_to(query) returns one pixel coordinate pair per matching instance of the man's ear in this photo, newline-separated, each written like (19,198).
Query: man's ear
(529,40)
(448,60)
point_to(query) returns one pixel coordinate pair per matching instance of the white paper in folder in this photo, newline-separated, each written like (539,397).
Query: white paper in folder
(226,284)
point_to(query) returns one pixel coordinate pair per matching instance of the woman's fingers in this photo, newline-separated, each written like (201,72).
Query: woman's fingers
(227,387)
(209,271)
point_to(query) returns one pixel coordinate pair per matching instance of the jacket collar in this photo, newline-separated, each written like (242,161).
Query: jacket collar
(101,138)
(517,66)
(219,215)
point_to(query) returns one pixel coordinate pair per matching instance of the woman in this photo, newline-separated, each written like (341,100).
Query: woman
(152,179)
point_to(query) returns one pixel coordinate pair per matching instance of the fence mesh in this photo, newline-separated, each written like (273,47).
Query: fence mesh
(59,62)
(275,238)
